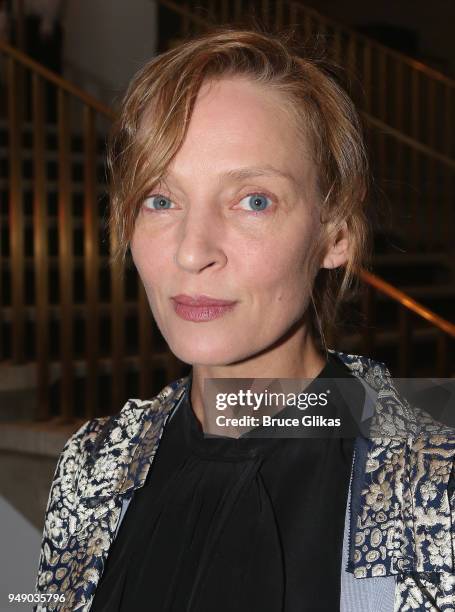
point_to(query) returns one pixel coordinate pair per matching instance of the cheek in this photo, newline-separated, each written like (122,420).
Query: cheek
(146,257)
(282,268)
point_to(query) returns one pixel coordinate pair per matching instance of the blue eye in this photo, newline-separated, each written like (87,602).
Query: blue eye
(257,201)
(157,202)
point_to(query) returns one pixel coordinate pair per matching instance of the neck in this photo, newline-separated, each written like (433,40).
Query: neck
(297,357)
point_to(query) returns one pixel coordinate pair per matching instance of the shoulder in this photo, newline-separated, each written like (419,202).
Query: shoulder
(98,435)
(403,491)
(93,433)
(100,451)
(402,433)
(397,400)
(73,455)
(79,442)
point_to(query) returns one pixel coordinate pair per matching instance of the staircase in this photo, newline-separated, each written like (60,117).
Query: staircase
(85,327)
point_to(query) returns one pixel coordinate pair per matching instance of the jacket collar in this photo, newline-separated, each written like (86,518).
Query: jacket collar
(399,514)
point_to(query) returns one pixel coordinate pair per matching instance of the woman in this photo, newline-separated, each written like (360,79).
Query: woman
(239,174)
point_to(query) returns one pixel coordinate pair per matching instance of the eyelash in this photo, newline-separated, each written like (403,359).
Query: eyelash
(252,212)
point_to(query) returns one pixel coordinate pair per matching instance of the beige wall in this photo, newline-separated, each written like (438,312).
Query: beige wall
(106,41)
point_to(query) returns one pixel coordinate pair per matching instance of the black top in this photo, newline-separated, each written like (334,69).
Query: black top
(248,524)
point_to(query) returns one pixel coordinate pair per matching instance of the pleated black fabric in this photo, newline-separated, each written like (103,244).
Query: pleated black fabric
(223,524)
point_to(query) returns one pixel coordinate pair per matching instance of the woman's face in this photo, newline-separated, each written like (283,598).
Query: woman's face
(236,219)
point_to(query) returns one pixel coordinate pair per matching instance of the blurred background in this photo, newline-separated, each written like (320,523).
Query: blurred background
(76,335)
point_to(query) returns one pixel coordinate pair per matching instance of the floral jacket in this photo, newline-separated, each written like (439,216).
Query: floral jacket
(402,507)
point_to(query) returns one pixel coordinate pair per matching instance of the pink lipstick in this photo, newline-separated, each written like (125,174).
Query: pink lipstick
(199,308)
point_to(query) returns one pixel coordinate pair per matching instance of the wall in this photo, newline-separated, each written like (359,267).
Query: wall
(24,489)
(106,41)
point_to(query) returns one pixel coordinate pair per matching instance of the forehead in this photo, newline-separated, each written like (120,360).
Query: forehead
(237,122)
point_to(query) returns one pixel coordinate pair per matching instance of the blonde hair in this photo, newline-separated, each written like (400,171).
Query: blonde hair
(156,110)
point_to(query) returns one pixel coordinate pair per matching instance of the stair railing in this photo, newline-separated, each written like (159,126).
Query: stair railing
(400,91)
(51,247)
(390,80)
(409,310)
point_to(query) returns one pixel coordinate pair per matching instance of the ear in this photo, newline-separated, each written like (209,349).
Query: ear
(338,249)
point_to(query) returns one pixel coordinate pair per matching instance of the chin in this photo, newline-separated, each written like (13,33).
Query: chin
(205,352)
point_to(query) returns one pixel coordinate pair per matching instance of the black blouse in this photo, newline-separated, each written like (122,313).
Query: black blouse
(247,524)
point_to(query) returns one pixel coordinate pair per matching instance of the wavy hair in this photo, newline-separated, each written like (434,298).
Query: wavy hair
(156,109)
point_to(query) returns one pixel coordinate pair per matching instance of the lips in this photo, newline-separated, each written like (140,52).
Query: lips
(200,308)
(200,300)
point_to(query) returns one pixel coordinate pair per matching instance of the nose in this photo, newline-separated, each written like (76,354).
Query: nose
(199,244)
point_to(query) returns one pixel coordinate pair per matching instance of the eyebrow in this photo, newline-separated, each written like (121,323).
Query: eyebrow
(252,171)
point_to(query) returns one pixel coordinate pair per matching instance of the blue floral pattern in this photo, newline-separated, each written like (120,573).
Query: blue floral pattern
(403,519)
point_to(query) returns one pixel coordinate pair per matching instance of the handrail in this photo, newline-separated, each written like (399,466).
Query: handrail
(400,296)
(369,119)
(407,59)
(57,80)
(108,112)
(412,62)
(175,6)
(408,140)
